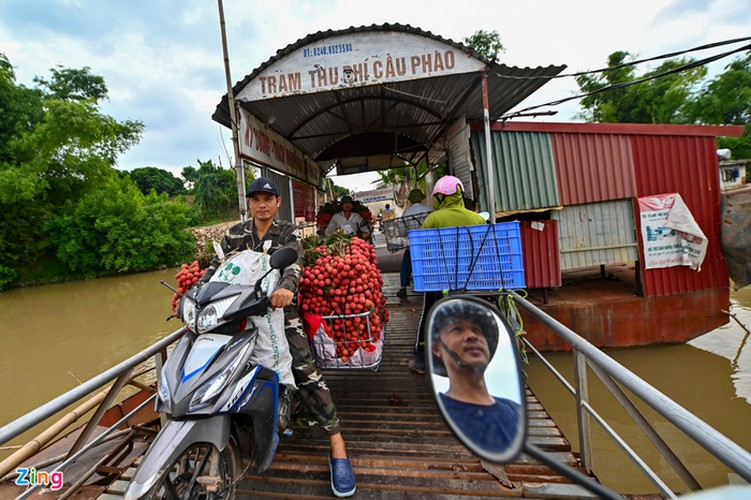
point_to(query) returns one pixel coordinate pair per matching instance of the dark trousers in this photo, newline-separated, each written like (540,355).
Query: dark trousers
(429,299)
(406,270)
(313,391)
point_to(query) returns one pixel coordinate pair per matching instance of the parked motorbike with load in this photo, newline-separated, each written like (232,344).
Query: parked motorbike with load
(226,389)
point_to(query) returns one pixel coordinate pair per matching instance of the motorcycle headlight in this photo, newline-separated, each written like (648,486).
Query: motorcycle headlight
(188,312)
(163,388)
(210,317)
(205,395)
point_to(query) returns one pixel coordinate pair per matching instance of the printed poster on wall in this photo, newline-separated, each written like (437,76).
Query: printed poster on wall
(670,234)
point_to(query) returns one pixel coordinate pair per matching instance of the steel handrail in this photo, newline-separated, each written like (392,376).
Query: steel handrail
(34,417)
(607,428)
(724,449)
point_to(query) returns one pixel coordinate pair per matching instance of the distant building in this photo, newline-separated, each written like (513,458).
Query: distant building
(376,199)
(733,174)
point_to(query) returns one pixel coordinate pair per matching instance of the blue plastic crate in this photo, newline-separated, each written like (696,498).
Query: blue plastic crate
(486,257)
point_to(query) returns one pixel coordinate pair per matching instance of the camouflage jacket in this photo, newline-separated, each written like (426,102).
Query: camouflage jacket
(242,236)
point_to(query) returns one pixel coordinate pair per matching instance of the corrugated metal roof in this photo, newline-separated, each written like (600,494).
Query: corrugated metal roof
(420,109)
(525,177)
(595,234)
(686,165)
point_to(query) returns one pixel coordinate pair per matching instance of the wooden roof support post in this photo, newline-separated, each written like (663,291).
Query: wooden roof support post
(488,147)
(233,114)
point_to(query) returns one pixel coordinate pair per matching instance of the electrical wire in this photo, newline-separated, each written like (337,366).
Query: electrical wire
(615,86)
(631,63)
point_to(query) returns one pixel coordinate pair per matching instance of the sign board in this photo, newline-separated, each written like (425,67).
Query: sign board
(358,59)
(374,195)
(670,234)
(305,201)
(262,145)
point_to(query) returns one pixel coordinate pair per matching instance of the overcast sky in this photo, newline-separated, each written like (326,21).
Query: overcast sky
(162,59)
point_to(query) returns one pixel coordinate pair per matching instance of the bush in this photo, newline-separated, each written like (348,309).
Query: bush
(118,229)
(215,192)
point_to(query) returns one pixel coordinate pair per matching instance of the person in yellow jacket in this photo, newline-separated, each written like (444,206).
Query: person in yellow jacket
(448,202)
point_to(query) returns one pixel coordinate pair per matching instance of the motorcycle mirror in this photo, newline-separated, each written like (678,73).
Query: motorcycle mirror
(283,257)
(473,363)
(485,215)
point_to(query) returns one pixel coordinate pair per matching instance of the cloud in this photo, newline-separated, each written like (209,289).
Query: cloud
(163,61)
(680,8)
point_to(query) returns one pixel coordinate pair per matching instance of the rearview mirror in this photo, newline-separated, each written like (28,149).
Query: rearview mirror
(474,373)
(283,257)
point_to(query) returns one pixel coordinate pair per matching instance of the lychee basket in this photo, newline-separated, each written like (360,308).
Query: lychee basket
(325,348)
(397,230)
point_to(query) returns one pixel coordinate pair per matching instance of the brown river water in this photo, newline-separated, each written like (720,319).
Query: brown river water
(53,336)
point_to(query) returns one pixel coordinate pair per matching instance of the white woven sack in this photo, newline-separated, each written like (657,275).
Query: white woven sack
(271,349)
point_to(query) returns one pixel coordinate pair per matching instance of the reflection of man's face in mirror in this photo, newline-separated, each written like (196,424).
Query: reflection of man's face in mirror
(467,340)
(464,339)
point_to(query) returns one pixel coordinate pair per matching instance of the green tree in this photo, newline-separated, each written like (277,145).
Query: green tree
(215,191)
(70,84)
(20,109)
(726,100)
(190,174)
(486,43)
(661,99)
(55,147)
(404,179)
(335,191)
(118,229)
(161,181)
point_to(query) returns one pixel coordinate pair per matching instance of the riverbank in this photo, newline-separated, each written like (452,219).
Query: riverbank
(52,271)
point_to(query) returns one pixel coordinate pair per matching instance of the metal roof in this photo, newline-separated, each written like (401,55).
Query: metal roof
(403,118)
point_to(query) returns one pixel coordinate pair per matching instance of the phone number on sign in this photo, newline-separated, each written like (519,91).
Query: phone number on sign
(326,50)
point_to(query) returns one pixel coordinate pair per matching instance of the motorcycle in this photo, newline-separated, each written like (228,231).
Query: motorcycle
(224,411)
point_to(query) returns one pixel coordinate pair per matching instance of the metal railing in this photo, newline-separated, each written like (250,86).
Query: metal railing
(612,373)
(122,375)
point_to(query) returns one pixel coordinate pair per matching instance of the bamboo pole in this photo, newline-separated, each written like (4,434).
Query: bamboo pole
(233,116)
(32,447)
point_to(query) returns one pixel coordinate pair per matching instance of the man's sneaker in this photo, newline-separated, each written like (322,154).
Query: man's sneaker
(417,366)
(402,293)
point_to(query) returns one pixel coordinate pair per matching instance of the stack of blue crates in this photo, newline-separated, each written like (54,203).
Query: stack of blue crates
(486,257)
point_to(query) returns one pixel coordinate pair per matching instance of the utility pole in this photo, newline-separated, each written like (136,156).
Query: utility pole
(488,147)
(233,116)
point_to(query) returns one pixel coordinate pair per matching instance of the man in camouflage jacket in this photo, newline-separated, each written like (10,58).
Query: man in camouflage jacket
(263,234)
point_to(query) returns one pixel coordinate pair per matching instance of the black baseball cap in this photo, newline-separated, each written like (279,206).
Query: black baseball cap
(263,185)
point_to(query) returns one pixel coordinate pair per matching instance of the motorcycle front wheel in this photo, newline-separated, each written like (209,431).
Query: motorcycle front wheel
(200,472)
